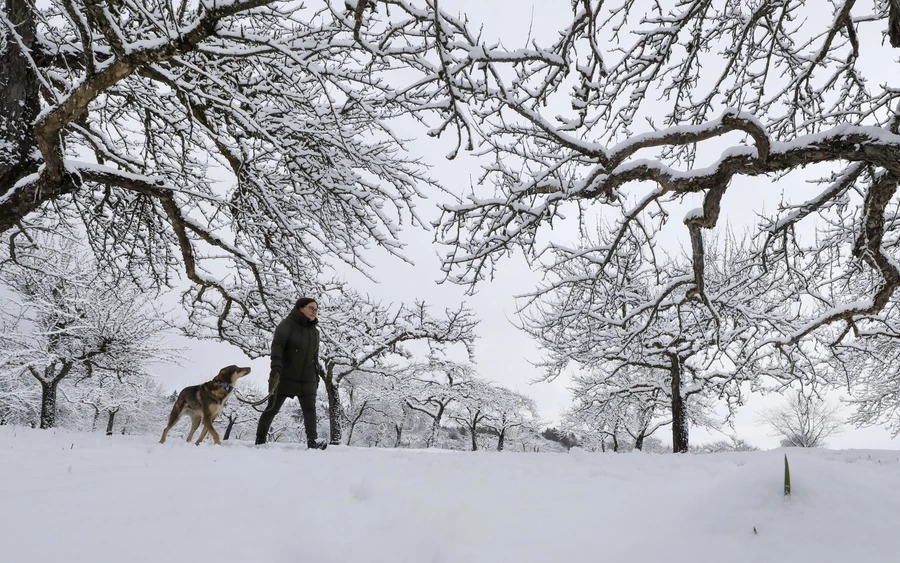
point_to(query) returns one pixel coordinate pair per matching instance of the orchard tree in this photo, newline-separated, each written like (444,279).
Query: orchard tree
(433,386)
(378,402)
(472,407)
(635,108)
(615,411)
(509,411)
(363,337)
(633,320)
(63,320)
(139,398)
(370,401)
(805,420)
(864,365)
(20,399)
(876,394)
(238,414)
(239,144)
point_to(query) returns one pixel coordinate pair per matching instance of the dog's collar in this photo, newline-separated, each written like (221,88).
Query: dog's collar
(225,385)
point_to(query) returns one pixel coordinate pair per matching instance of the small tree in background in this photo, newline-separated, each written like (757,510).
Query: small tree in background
(434,386)
(241,418)
(133,405)
(732,444)
(804,421)
(508,411)
(63,320)
(20,400)
(362,338)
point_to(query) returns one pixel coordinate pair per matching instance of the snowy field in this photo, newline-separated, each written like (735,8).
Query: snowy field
(85,497)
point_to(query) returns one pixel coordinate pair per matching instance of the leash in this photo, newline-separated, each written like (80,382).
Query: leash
(254,404)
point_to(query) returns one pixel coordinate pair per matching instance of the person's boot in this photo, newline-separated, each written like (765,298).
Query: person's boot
(316,444)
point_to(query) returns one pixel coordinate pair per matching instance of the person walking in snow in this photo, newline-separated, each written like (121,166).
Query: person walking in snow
(295,370)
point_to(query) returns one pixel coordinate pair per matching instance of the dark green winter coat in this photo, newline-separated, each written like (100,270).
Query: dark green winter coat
(295,354)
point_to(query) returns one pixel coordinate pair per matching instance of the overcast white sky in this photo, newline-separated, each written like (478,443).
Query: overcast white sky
(503,353)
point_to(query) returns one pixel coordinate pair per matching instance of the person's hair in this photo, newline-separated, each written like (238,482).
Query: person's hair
(303,302)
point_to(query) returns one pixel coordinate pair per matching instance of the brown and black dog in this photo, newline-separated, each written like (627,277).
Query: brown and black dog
(203,403)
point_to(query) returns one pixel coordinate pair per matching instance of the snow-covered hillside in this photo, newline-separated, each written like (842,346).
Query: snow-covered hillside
(86,497)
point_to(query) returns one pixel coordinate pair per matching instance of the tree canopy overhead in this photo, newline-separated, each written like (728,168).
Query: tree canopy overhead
(118,113)
(234,143)
(610,116)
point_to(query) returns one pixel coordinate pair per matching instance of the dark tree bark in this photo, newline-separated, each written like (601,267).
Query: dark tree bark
(639,441)
(96,418)
(894,23)
(48,404)
(334,411)
(49,384)
(19,97)
(435,417)
(355,421)
(111,422)
(679,413)
(472,427)
(231,420)
(398,428)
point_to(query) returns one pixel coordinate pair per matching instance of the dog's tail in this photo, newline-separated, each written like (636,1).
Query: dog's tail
(176,410)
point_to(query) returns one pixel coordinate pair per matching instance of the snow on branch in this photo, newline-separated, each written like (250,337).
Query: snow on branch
(245,136)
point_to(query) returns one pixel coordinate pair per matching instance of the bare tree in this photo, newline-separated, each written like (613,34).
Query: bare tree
(804,421)
(472,407)
(138,398)
(619,416)
(508,411)
(64,320)
(240,416)
(378,402)
(20,400)
(630,96)
(360,336)
(118,117)
(634,325)
(371,400)
(433,387)
(732,444)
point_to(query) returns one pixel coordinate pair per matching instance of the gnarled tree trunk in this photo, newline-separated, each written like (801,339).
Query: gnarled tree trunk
(231,421)
(19,97)
(679,412)
(111,421)
(639,441)
(435,425)
(334,410)
(398,428)
(48,403)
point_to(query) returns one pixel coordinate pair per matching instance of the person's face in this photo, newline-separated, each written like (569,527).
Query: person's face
(311,310)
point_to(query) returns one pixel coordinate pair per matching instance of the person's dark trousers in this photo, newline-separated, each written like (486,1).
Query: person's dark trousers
(307,405)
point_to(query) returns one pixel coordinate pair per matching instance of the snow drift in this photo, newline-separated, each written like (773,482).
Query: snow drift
(86,497)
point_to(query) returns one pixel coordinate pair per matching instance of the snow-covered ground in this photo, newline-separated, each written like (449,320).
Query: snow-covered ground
(76,497)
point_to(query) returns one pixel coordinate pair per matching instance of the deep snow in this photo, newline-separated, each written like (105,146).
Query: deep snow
(75,497)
